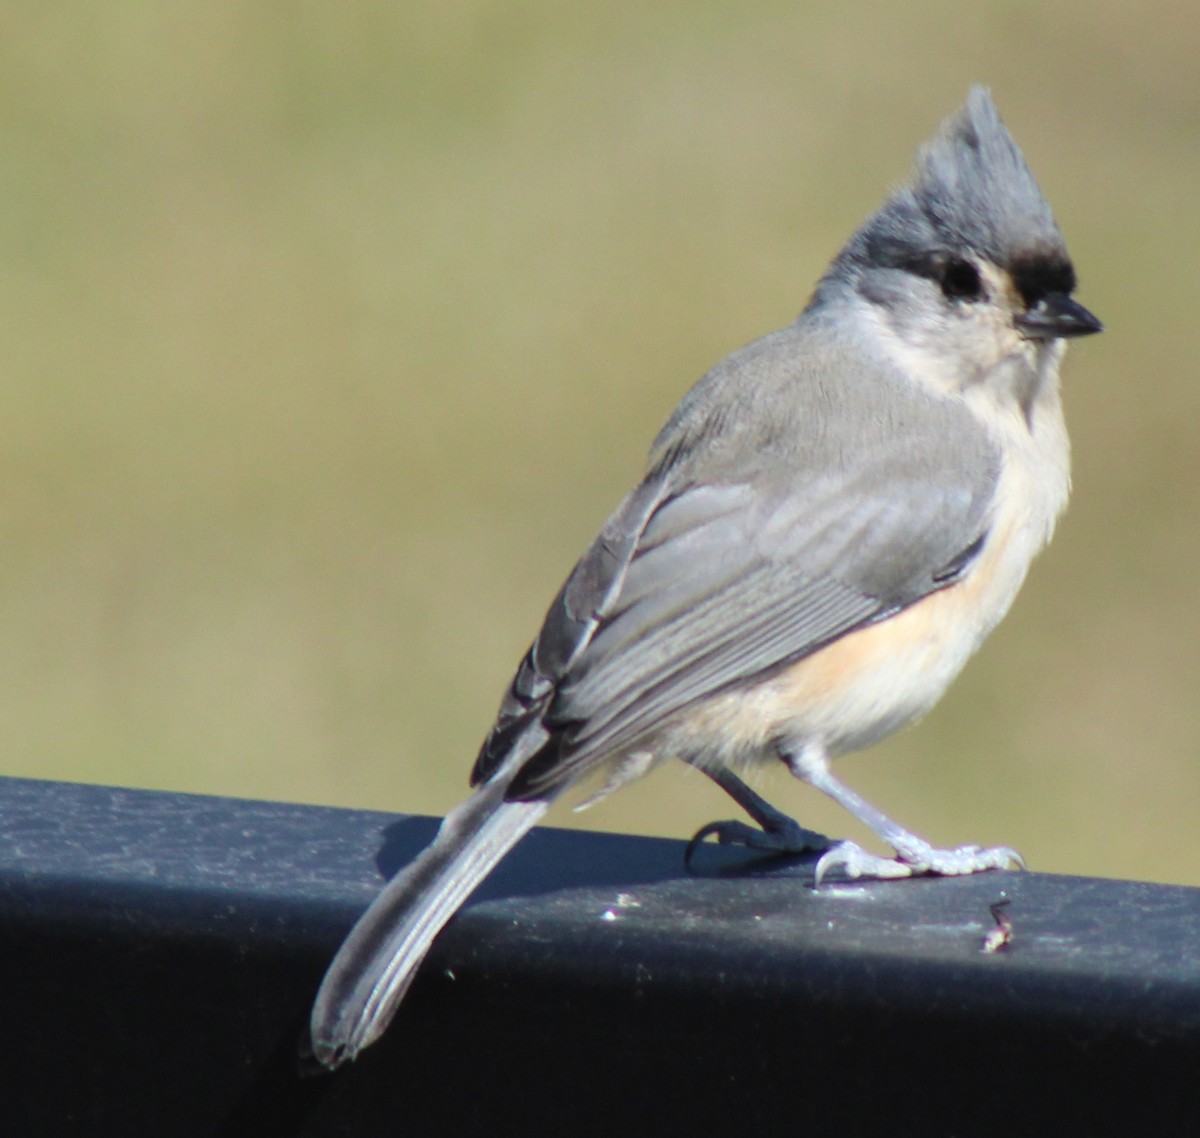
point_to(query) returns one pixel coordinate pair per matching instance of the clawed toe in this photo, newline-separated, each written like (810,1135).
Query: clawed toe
(785,836)
(966,859)
(852,861)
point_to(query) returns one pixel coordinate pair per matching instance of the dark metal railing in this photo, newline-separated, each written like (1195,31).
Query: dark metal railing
(160,952)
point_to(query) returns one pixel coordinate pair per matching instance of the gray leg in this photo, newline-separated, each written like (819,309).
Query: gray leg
(775,832)
(913,855)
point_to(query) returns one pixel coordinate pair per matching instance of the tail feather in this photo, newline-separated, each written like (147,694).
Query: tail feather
(376,963)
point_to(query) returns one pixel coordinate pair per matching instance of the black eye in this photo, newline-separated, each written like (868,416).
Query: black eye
(960,280)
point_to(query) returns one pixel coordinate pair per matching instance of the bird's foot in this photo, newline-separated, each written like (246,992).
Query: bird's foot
(915,858)
(780,835)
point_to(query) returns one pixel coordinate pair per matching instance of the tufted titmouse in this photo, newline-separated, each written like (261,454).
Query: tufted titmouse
(832,521)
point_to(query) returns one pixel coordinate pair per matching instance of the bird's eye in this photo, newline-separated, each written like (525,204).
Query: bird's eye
(960,280)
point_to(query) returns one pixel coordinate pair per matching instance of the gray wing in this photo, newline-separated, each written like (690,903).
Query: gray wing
(697,584)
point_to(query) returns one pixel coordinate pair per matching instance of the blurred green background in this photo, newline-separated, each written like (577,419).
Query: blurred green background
(330,333)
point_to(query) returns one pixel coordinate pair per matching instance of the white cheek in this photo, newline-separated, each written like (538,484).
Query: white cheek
(954,349)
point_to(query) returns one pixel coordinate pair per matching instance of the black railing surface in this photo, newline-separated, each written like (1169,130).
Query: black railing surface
(160,953)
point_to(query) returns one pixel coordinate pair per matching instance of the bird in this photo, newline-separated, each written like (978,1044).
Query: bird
(830,523)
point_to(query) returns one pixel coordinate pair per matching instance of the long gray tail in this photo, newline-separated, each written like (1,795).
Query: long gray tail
(376,963)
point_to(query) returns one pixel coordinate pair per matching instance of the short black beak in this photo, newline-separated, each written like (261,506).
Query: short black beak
(1056,316)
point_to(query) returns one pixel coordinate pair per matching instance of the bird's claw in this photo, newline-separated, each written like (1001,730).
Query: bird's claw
(852,861)
(784,836)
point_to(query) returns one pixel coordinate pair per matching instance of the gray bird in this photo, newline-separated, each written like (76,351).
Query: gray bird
(831,522)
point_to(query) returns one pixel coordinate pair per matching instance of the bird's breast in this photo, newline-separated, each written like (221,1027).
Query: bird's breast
(866,684)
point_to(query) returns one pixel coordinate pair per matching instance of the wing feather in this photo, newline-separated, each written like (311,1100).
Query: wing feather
(731,561)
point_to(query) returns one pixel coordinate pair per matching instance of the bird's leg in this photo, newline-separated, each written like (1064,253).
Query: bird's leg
(775,832)
(913,855)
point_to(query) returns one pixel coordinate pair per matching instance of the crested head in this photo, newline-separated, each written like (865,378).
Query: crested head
(964,265)
(970,193)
